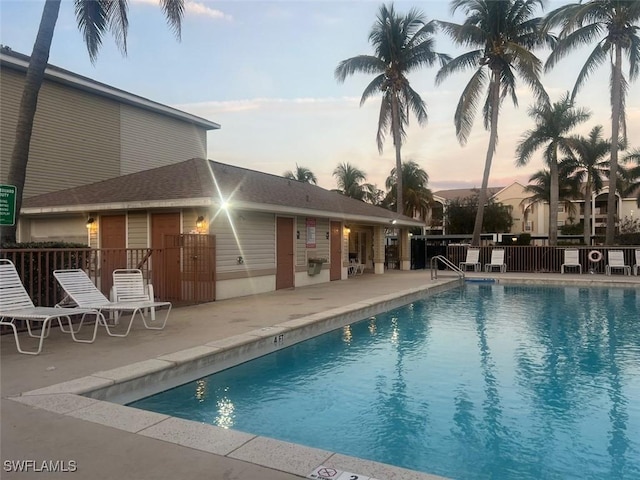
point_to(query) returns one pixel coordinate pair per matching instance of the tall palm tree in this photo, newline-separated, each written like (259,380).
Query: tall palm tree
(417,197)
(402,44)
(553,125)
(504,33)
(350,183)
(301,174)
(540,188)
(615,23)
(588,165)
(95,19)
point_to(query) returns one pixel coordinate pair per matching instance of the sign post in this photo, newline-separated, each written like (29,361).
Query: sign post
(7,205)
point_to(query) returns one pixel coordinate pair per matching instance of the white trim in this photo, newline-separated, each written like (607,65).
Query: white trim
(209,202)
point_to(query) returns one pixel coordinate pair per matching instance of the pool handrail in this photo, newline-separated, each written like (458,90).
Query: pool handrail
(447,263)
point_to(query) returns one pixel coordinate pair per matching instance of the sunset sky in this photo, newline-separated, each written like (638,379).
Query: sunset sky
(265,71)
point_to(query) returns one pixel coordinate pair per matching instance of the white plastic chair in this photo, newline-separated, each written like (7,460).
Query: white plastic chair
(84,293)
(473,260)
(616,262)
(355,268)
(571,259)
(636,267)
(497,261)
(16,304)
(129,285)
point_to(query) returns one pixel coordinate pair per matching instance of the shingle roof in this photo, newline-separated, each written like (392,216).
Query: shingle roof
(194,179)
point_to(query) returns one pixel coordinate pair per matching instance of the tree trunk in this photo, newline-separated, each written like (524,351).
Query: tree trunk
(616,106)
(553,197)
(587,212)
(397,142)
(27,112)
(493,140)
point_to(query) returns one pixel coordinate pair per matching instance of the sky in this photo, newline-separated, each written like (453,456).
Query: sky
(264,71)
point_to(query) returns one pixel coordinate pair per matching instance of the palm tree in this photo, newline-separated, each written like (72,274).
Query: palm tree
(504,34)
(402,44)
(301,174)
(417,197)
(616,22)
(553,124)
(633,174)
(350,183)
(540,188)
(94,18)
(587,164)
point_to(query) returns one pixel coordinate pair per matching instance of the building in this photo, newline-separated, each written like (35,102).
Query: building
(267,229)
(86,131)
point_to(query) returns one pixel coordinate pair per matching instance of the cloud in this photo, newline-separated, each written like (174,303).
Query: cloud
(194,8)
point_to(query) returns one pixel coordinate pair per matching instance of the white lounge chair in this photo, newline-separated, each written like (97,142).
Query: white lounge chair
(472,260)
(497,261)
(79,287)
(616,262)
(571,259)
(636,267)
(16,304)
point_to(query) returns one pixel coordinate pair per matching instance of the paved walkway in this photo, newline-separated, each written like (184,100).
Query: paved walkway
(101,452)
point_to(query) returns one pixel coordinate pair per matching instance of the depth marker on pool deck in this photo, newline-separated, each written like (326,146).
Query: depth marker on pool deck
(328,473)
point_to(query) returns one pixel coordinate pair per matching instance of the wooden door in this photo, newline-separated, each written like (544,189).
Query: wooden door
(335,272)
(113,243)
(165,259)
(284,253)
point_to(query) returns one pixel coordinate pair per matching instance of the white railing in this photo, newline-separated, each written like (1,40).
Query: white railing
(447,263)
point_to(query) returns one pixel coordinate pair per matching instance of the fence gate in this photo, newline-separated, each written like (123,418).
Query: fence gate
(188,268)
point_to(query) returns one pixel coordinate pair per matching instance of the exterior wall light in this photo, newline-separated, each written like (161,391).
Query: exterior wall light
(91,222)
(200,222)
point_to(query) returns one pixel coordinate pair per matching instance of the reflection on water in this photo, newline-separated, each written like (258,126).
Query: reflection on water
(488,381)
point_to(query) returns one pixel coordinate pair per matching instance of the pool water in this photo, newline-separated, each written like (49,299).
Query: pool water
(481,382)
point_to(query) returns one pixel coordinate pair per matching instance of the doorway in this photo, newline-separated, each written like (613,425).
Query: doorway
(284,253)
(335,272)
(113,243)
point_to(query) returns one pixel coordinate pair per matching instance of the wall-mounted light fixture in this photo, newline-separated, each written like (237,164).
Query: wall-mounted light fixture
(347,229)
(327,236)
(199,222)
(90,222)
(297,234)
(393,222)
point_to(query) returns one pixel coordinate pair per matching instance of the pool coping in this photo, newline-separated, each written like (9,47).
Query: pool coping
(91,397)
(99,397)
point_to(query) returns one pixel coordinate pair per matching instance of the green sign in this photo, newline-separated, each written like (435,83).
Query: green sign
(7,205)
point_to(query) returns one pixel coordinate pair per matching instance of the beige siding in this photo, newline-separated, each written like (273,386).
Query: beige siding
(76,136)
(59,229)
(137,230)
(150,140)
(322,243)
(255,241)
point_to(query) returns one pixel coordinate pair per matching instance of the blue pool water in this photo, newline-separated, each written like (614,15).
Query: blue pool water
(482,382)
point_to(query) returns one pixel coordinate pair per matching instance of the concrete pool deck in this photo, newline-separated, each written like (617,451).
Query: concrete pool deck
(104,442)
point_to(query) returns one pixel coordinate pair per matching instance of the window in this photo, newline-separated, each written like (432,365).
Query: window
(528,226)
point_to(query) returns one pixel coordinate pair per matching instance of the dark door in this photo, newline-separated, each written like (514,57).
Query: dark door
(335,272)
(284,253)
(166,258)
(113,248)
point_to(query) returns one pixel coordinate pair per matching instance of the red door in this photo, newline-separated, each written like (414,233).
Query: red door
(112,243)
(335,272)
(284,253)
(166,266)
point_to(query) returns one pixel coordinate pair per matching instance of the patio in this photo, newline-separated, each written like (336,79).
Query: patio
(102,452)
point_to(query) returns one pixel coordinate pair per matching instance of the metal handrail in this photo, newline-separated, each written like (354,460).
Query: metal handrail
(447,263)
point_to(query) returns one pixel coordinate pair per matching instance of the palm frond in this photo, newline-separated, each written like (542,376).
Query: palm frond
(360,64)
(174,11)
(468,104)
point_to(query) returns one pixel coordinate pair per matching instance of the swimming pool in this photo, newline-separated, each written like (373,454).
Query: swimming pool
(488,381)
